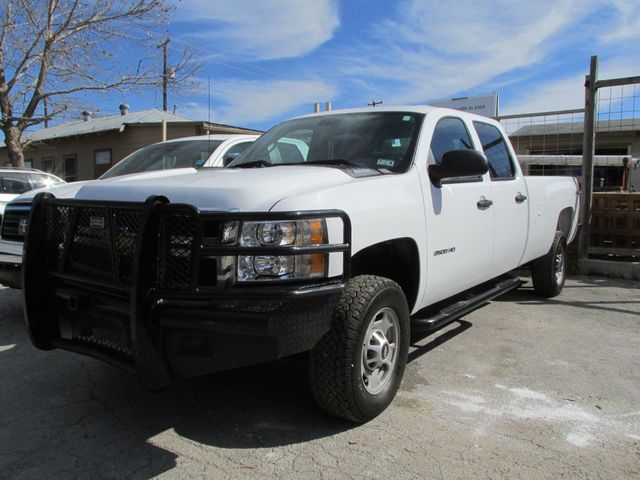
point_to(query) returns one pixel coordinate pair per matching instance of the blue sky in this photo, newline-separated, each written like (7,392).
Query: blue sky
(268,60)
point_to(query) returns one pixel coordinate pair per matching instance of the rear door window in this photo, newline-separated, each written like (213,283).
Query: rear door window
(495,148)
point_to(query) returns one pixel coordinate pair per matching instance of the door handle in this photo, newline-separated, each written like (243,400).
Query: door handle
(483,204)
(520,198)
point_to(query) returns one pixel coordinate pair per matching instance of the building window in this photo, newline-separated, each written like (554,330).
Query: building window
(48,164)
(70,162)
(28,164)
(102,161)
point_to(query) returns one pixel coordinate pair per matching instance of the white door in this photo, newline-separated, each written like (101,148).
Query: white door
(510,202)
(459,221)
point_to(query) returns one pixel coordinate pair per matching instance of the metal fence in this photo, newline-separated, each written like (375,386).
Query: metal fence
(605,159)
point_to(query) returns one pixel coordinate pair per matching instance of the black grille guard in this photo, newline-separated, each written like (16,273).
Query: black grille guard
(132,268)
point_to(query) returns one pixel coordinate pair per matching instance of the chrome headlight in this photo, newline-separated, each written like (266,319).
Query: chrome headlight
(298,233)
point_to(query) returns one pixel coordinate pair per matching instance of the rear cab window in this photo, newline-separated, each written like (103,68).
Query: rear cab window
(494,146)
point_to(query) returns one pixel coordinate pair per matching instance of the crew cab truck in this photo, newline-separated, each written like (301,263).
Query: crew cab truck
(337,247)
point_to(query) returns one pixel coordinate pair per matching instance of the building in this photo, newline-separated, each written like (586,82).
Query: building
(556,149)
(85,149)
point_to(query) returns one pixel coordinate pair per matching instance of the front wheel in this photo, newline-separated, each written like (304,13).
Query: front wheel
(357,366)
(548,273)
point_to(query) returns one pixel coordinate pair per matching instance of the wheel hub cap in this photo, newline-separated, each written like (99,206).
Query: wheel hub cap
(379,350)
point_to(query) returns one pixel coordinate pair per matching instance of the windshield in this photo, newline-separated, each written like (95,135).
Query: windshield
(164,156)
(378,140)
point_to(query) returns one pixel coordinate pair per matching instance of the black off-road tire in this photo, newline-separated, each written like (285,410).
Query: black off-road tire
(335,364)
(544,271)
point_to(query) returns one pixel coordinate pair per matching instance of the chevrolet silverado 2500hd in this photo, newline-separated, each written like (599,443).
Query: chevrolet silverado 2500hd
(334,233)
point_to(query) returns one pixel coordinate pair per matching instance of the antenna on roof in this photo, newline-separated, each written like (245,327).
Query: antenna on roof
(209,118)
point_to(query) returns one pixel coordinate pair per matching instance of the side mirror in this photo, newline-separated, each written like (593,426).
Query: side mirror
(458,163)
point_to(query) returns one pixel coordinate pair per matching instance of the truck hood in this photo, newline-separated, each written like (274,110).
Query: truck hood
(221,189)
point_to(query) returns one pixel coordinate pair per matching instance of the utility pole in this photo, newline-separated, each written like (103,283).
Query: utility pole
(165,72)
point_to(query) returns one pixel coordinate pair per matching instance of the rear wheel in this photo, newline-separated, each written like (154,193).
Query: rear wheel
(548,273)
(357,367)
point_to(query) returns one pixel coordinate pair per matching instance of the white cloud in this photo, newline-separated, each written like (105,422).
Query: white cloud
(435,49)
(564,94)
(626,24)
(239,102)
(262,29)
(423,50)
(568,92)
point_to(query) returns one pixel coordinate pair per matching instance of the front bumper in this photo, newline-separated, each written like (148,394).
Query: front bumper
(161,333)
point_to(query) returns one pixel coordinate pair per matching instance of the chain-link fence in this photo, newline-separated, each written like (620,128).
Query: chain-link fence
(552,143)
(617,126)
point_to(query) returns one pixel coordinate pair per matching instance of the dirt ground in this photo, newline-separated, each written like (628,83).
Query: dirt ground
(522,388)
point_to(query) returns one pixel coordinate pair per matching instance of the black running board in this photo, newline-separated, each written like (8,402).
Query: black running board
(456,310)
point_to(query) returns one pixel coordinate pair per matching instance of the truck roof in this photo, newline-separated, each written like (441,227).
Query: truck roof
(403,108)
(217,136)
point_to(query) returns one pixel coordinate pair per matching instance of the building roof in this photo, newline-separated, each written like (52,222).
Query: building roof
(113,122)
(567,128)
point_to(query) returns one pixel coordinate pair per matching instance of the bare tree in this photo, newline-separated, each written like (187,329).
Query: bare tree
(53,50)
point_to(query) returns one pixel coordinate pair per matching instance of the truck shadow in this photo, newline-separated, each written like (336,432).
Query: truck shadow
(435,338)
(526,296)
(73,407)
(60,409)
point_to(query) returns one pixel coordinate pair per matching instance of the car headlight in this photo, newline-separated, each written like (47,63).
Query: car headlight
(299,233)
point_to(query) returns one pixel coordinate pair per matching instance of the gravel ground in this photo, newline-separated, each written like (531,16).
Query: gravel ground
(522,388)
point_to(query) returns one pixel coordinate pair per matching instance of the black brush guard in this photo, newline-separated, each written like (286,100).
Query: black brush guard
(122,282)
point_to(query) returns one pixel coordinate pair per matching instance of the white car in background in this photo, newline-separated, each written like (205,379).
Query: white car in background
(13,183)
(189,152)
(16,181)
(180,156)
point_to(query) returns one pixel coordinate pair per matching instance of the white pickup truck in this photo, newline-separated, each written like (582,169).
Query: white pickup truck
(334,233)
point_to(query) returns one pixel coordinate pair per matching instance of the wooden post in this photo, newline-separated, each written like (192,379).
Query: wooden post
(588,152)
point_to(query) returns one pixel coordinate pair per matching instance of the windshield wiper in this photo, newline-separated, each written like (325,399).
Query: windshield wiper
(341,161)
(253,164)
(336,161)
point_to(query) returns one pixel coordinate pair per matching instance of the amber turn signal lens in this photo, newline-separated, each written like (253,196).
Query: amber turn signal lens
(316,264)
(316,231)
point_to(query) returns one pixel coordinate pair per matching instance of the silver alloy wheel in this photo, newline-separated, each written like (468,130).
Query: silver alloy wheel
(559,267)
(380,350)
